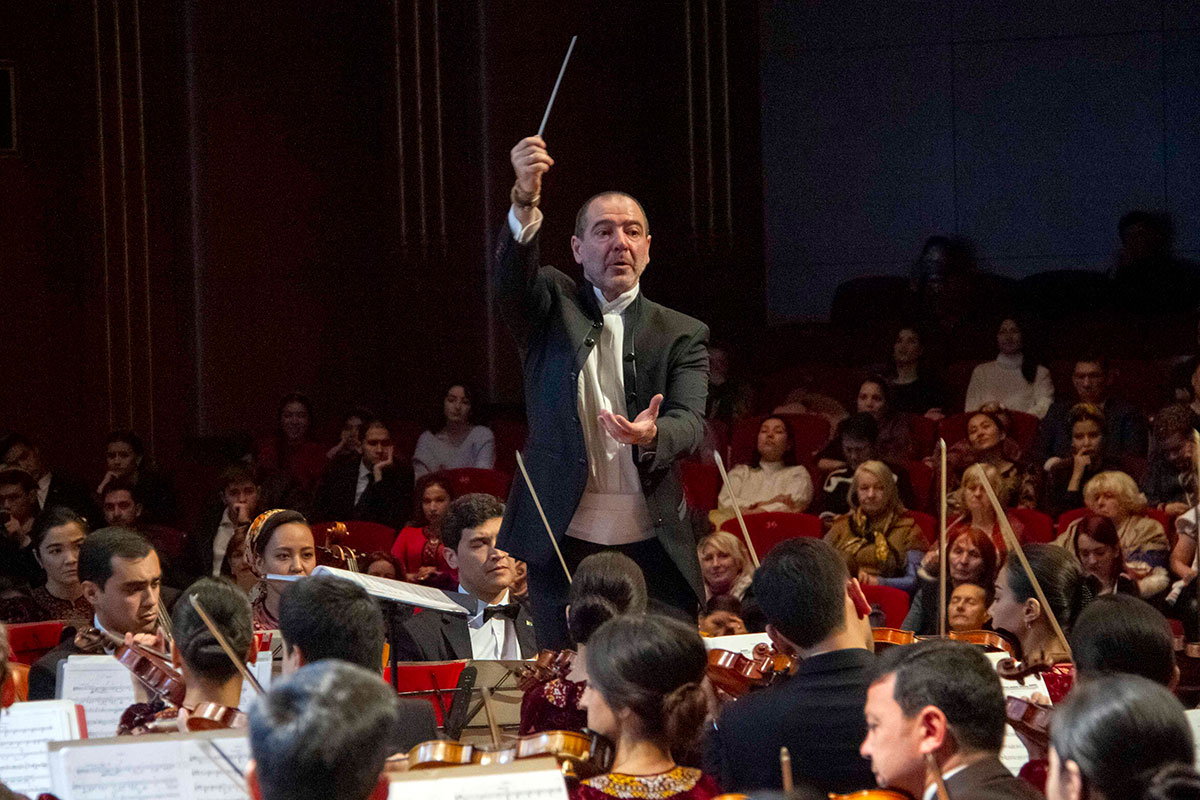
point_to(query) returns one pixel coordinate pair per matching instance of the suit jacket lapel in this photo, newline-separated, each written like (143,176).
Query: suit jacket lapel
(525,634)
(457,636)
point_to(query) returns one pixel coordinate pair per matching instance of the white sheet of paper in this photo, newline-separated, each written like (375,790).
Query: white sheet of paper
(1013,754)
(103,686)
(261,669)
(25,731)
(495,784)
(1193,718)
(742,643)
(411,594)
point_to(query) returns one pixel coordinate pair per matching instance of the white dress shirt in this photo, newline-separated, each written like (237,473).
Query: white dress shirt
(364,480)
(931,789)
(225,531)
(43,489)
(495,639)
(613,509)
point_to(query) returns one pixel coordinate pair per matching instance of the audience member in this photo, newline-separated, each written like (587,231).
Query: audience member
(370,486)
(1124,429)
(1147,279)
(18,509)
(497,627)
(381,565)
(730,398)
(209,553)
(53,489)
(1170,477)
(949,294)
(893,441)
(1181,602)
(971,559)
(816,611)
(58,533)
(858,434)
(1066,478)
(913,386)
(772,481)
(350,439)
(881,543)
(418,547)
(452,441)
(1012,381)
(324,618)
(936,713)
(323,734)
(291,449)
(978,513)
(987,442)
(125,460)
(722,616)
(278,542)
(1119,633)
(968,607)
(644,676)
(119,503)
(122,580)
(1093,541)
(16,602)
(725,565)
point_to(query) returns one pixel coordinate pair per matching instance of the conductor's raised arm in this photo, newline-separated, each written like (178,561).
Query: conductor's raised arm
(523,300)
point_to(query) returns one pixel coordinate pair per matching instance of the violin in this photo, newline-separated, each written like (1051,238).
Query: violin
(548,665)
(1031,720)
(214,716)
(989,640)
(774,664)
(872,794)
(159,676)
(891,637)
(733,673)
(1014,670)
(579,754)
(337,553)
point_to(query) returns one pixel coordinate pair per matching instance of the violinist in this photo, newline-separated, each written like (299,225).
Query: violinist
(936,713)
(208,673)
(122,579)
(971,560)
(604,586)
(1121,736)
(644,693)
(323,734)
(279,542)
(816,611)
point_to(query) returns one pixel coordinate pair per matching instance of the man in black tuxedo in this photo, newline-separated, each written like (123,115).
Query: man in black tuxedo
(936,708)
(816,611)
(497,627)
(53,489)
(615,387)
(367,486)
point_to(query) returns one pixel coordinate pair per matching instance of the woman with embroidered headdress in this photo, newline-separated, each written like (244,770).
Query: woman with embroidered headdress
(279,542)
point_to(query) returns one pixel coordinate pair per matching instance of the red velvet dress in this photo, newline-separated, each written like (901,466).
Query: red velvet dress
(413,550)
(681,783)
(552,705)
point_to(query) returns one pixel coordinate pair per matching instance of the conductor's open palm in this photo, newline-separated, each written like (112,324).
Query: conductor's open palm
(642,431)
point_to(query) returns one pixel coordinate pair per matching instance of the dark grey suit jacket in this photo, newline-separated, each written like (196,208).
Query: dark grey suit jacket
(989,780)
(434,636)
(556,322)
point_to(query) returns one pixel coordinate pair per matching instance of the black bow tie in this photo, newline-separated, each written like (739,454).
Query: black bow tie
(510,610)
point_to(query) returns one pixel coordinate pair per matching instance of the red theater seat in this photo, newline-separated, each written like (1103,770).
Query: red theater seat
(469,480)
(29,641)
(426,680)
(894,603)
(1039,527)
(366,537)
(769,528)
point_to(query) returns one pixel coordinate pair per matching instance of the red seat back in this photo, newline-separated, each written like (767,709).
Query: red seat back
(1067,517)
(366,537)
(769,528)
(428,680)
(701,484)
(894,603)
(810,432)
(928,525)
(468,480)
(29,641)
(920,475)
(1022,428)
(924,433)
(170,543)
(1039,527)
(510,433)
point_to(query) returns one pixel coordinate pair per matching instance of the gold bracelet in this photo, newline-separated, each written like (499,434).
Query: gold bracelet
(522,200)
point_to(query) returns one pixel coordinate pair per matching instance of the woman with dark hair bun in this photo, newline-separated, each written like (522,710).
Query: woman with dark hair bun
(1121,737)
(57,534)
(643,692)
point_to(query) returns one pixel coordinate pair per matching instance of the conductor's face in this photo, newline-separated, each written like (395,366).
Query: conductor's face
(615,247)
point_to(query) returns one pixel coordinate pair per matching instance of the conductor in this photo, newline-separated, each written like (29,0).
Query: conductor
(614,389)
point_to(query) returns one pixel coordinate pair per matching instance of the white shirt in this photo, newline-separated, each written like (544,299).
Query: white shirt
(613,509)
(364,480)
(1001,381)
(771,480)
(931,790)
(495,639)
(225,531)
(43,489)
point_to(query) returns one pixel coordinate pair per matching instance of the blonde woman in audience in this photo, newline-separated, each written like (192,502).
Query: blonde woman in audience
(976,511)
(1013,381)
(772,481)
(880,542)
(1143,542)
(725,565)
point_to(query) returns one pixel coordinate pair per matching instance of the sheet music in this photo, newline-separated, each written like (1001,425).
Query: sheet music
(496,784)
(1193,718)
(260,669)
(1013,754)
(174,767)
(25,730)
(103,686)
(741,643)
(410,594)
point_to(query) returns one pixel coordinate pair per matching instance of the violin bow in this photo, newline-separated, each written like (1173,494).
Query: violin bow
(241,667)
(785,766)
(943,556)
(1014,544)
(533,493)
(737,511)
(932,765)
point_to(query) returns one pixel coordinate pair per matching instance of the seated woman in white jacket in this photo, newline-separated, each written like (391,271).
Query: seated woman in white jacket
(771,481)
(453,441)
(1011,381)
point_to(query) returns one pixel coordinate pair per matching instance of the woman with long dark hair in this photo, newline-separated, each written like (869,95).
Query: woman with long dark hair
(772,481)
(291,449)
(418,547)
(453,441)
(1014,380)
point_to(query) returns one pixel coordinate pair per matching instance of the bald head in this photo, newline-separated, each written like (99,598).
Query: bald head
(583,218)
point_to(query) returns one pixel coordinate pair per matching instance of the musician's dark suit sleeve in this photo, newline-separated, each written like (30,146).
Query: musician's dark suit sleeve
(406,646)
(416,723)
(681,417)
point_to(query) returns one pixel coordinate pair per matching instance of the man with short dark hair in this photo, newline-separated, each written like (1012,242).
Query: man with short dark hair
(1125,431)
(122,579)
(18,508)
(1120,633)
(936,709)
(120,504)
(498,627)
(368,485)
(208,546)
(53,488)
(323,734)
(1170,475)
(816,611)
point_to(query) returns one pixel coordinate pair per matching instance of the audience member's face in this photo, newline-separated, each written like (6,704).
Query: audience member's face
(1086,438)
(238,496)
(382,568)
(291,551)
(434,502)
(59,554)
(120,459)
(243,576)
(719,568)
(1007,611)
(352,429)
(1099,560)
(772,440)
(965,560)
(1177,449)
(907,349)
(870,399)
(128,601)
(17,502)
(457,406)
(983,433)
(975,496)
(119,509)
(21,456)
(968,608)
(293,421)
(872,496)
(1090,381)
(600,716)
(857,451)
(484,569)
(722,623)
(893,742)
(615,247)
(1108,504)
(1008,339)
(377,443)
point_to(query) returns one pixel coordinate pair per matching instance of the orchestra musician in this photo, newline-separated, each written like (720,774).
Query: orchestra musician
(815,610)
(323,733)
(936,713)
(615,388)
(644,675)
(279,542)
